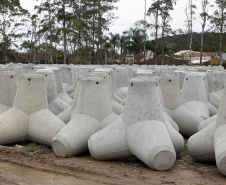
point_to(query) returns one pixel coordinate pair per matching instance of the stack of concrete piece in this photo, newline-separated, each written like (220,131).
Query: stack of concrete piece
(29,118)
(144,131)
(209,143)
(92,113)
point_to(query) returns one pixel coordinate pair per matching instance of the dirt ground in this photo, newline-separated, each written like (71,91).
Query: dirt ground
(28,163)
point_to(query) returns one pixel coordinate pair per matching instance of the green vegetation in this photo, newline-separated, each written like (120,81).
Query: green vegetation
(32,147)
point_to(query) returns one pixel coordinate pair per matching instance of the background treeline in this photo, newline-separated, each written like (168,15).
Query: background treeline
(210,42)
(65,29)
(77,31)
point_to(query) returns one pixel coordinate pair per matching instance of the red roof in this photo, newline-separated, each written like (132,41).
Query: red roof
(198,54)
(147,58)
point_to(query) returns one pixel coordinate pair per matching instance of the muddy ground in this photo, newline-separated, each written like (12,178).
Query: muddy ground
(28,163)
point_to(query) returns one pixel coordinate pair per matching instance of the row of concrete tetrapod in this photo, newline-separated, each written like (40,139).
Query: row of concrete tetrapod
(144,114)
(109,137)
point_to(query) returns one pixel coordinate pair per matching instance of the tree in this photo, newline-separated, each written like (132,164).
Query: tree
(101,16)
(75,26)
(218,19)
(47,10)
(143,25)
(12,19)
(189,11)
(204,16)
(136,43)
(123,40)
(167,6)
(154,9)
(32,36)
(115,42)
(63,15)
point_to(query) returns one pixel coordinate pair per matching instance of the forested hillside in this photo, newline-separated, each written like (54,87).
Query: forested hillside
(181,42)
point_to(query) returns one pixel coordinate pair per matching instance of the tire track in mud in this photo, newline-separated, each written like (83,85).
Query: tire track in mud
(86,170)
(60,170)
(6,180)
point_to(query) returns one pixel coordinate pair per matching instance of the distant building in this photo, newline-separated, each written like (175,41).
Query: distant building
(215,60)
(217,55)
(167,61)
(183,55)
(205,55)
(195,56)
(129,57)
(146,58)
(24,57)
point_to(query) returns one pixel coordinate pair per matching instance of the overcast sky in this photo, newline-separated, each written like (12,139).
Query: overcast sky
(129,11)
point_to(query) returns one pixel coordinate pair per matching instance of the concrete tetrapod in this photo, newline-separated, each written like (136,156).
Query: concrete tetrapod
(194,95)
(216,82)
(29,118)
(61,93)
(207,122)
(209,143)
(8,86)
(117,108)
(180,75)
(187,120)
(17,69)
(143,120)
(66,115)
(121,79)
(77,73)
(219,136)
(112,83)
(93,112)
(155,149)
(56,105)
(66,76)
(29,69)
(110,71)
